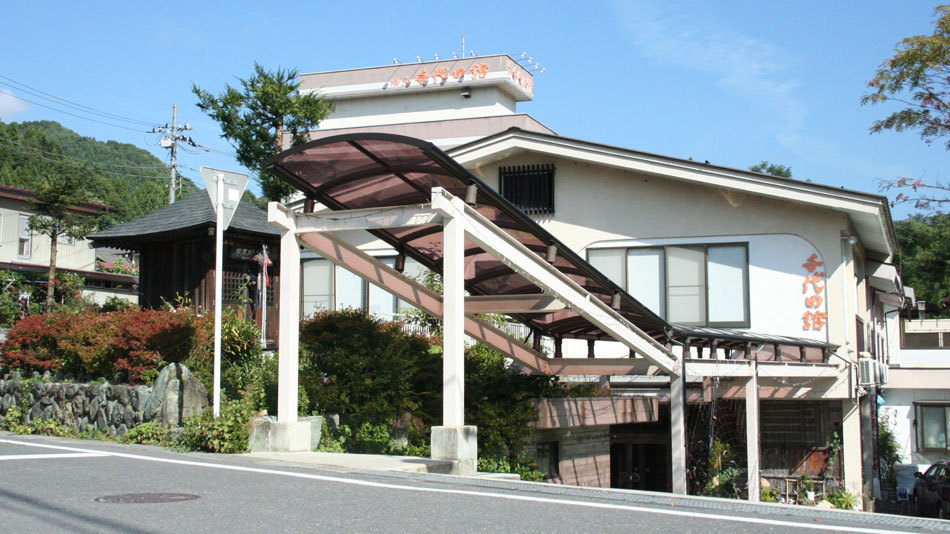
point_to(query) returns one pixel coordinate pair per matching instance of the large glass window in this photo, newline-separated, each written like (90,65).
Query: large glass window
(25,241)
(932,424)
(331,287)
(317,287)
(705,285)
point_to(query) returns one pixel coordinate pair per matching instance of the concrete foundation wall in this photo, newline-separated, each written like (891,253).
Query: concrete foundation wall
(584,455)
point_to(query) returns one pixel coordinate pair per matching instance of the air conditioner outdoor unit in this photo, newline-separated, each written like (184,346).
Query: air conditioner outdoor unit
(867,372)
(882,369)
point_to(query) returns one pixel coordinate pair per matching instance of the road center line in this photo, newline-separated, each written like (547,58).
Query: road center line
(51,456)
(503,496)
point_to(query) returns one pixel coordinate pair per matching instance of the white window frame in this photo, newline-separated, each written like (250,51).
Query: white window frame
(665,297)
(27,239)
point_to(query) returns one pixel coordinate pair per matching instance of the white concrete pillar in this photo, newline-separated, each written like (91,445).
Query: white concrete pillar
(752,434)
(289,315)
(453,440)
(678,432)
(851,448)
(453,320)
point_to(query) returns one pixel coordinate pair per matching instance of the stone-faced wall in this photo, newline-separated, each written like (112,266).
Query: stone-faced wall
(115,409)
(583,453)
(106,407)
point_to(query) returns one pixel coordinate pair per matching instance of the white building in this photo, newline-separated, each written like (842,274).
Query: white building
(24,250)
(740,266)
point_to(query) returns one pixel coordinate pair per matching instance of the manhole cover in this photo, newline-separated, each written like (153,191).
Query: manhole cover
(138,498)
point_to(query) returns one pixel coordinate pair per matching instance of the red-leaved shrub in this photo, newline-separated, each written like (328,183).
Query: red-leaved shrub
(130,341)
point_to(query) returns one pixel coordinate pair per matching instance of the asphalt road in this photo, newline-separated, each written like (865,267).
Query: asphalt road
(62,485)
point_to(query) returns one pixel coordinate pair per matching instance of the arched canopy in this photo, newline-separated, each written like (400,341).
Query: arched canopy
(373,170)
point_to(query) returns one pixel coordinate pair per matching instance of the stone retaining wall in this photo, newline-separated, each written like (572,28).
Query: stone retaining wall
(106,407)
(112,408)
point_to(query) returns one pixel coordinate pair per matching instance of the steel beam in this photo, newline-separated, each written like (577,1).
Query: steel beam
(513,304)
(367,219)
(533,267)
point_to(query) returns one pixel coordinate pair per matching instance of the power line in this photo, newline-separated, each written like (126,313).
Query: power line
(53,98)
(28,147)
(73,114)
(63,161)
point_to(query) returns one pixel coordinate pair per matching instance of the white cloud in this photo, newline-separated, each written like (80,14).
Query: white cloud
(11,106)
(739,64)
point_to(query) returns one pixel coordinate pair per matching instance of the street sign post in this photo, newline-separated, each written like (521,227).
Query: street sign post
(225,189)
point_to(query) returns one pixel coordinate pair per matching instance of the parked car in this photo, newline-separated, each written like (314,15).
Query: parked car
(932,491)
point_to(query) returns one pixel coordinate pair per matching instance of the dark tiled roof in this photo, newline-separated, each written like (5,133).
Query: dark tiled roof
(187,214)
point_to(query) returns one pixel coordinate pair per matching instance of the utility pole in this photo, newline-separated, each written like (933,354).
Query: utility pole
(171,139)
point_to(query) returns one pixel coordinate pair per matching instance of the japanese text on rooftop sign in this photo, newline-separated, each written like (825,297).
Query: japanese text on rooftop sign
(438,76)
(813,288)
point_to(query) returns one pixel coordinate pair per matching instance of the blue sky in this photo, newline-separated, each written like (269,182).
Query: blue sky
(729,82)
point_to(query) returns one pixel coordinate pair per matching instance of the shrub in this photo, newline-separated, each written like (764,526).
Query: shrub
(366,369)
(135,342)
(226,434)
(840,498)
(113,304)
(150,433)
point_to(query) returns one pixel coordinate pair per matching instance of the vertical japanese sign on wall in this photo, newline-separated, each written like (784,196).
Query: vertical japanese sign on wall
(814,318)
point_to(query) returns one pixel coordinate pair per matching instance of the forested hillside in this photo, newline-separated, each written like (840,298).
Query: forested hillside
(128,178)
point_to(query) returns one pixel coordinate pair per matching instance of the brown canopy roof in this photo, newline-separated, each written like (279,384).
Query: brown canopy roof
(368,170)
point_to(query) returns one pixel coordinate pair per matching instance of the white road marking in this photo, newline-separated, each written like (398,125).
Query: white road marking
(502,496)
(51,456)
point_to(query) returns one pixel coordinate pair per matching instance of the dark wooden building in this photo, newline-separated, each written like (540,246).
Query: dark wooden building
(176,251)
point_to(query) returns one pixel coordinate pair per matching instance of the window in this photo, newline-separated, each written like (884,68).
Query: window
(331,287)
(548,458)
(64,239)
(704,285)
(529,187)
(932,423)
(25,241)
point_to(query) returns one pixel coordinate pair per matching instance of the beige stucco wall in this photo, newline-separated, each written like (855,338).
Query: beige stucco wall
(597,203)
(76,256)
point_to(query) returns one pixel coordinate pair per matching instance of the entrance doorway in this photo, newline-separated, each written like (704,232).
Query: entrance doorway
(640,454)
(641,466)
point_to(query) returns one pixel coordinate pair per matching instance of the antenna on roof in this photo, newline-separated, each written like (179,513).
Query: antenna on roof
(463,45)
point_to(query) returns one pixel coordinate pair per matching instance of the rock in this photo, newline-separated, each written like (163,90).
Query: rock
(824,505)
(122,394)
(47,375)
(333,421)
(35,411)
(46,401)
(47,413)
(121,430)
(35,375)
(137,418)
(82,423)
(128,416)
(176,395)
(112,430)
(101,422)
(7,402)
(92,407)
(59,376)
(142,393)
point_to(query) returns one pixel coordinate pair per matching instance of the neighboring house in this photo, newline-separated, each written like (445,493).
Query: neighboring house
(22,249)
(175,246)
(738,265)
(917,393)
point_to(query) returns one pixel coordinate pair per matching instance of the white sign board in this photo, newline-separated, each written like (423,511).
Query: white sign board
(234,186)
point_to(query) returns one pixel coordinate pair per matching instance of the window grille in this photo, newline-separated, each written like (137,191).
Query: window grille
(529,187)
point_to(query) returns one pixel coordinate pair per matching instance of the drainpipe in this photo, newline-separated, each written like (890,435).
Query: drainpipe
(846,243)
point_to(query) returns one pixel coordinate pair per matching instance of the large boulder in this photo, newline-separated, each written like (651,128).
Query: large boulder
(176,395)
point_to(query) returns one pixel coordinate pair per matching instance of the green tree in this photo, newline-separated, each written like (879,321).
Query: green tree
(924,257)
(917,78)
(257,117)
(771,168)
(58,213)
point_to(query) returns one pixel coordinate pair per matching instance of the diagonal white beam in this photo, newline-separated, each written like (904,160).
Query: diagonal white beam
(365,266)
(367,219)
(516,256)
